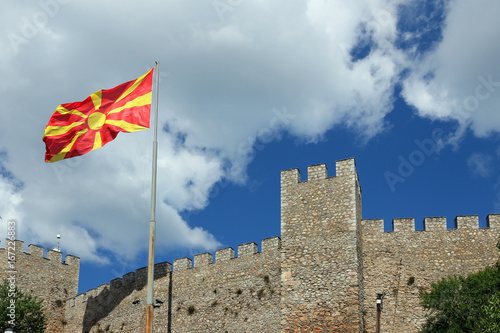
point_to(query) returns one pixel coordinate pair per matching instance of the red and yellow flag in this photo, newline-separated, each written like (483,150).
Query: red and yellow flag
(79,127)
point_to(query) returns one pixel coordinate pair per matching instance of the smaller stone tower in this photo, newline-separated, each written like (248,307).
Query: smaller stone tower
(321,268)
(49,278)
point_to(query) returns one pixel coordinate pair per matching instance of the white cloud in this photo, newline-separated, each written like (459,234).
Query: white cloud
(481,164)
(234,78)
(10,198)
(460,78)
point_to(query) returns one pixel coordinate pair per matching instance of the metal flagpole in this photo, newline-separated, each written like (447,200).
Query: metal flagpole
(152,222)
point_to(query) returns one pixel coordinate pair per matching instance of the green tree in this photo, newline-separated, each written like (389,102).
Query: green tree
(464,304)
(26,313)
(491,320)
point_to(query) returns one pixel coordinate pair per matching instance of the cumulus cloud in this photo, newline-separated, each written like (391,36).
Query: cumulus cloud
(459,79)
(231,77)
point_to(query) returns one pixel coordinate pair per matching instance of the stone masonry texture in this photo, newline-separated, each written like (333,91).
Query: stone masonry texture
(319,221)
(322,275)
(46,277)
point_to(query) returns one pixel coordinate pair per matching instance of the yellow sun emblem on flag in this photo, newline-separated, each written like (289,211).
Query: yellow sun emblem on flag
(79,127)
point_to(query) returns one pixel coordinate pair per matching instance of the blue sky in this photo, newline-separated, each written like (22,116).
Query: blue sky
(410,89)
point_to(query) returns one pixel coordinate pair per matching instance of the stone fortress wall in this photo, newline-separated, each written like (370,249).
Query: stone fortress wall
(233,294)
(322,275)
(402,263)
(47,277)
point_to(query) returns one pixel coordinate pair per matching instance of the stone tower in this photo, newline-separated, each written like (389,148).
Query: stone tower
(322,287)
(49,278)
(324,274)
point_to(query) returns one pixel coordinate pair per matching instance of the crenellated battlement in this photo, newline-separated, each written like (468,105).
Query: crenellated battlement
(247,250)
(318,172)
(322,274)
(404,262)
(435,223)
(52,277)
(35,251)
(320,219)
(131,280)
(139,277)
(255,274)
(431,224)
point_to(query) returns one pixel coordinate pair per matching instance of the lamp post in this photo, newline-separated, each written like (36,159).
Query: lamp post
(379,310)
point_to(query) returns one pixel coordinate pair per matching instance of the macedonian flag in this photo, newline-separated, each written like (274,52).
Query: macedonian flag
(79,127)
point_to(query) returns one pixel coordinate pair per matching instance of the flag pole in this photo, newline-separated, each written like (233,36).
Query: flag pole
(152,222)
